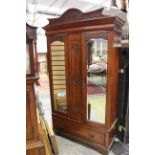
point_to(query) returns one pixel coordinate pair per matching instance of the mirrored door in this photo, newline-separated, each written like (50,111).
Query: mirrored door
(58,70)
(28,62)
(97,49)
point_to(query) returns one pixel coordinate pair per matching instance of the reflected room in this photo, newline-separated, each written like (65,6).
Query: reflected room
(97,49)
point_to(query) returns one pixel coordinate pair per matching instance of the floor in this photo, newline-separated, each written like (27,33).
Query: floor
(68,147)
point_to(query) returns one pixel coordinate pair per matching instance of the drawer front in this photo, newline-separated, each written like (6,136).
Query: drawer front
(75,130)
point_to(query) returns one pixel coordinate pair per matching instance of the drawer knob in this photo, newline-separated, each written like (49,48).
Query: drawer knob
(75,81)
(91,135)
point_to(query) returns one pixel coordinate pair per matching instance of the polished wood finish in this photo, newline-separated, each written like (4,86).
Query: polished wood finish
(31,119)
(34,145)
(35,148)
(74,44)
(77,28)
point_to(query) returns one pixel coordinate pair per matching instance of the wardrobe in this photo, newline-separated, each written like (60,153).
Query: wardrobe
(83,67)
(34,144)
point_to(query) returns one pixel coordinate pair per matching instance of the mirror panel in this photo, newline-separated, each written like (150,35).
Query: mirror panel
(58,76)
(28,66)
(97,49)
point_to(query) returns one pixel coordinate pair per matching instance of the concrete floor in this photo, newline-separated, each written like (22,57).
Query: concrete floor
(68,147)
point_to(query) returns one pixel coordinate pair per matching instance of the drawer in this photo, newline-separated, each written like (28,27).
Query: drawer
(73,129)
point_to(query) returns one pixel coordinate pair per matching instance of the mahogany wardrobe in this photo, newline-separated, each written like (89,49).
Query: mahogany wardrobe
(83,67)
(34,144)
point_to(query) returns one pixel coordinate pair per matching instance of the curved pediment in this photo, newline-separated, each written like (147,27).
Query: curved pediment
(74,18)
(76,15)
(71,14)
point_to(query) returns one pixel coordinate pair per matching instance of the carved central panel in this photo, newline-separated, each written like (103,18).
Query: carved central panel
(75,48)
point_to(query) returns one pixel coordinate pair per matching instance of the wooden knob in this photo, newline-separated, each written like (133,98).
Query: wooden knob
(91,135)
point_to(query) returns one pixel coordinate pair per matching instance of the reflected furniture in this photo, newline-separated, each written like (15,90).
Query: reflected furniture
(34,145)
(84,106)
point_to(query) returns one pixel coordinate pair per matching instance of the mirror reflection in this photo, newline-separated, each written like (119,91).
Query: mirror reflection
(97,49)
(58,76)
(28,67)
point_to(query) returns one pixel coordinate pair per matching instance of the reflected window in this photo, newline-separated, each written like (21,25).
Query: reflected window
(97,49)
(58,76)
